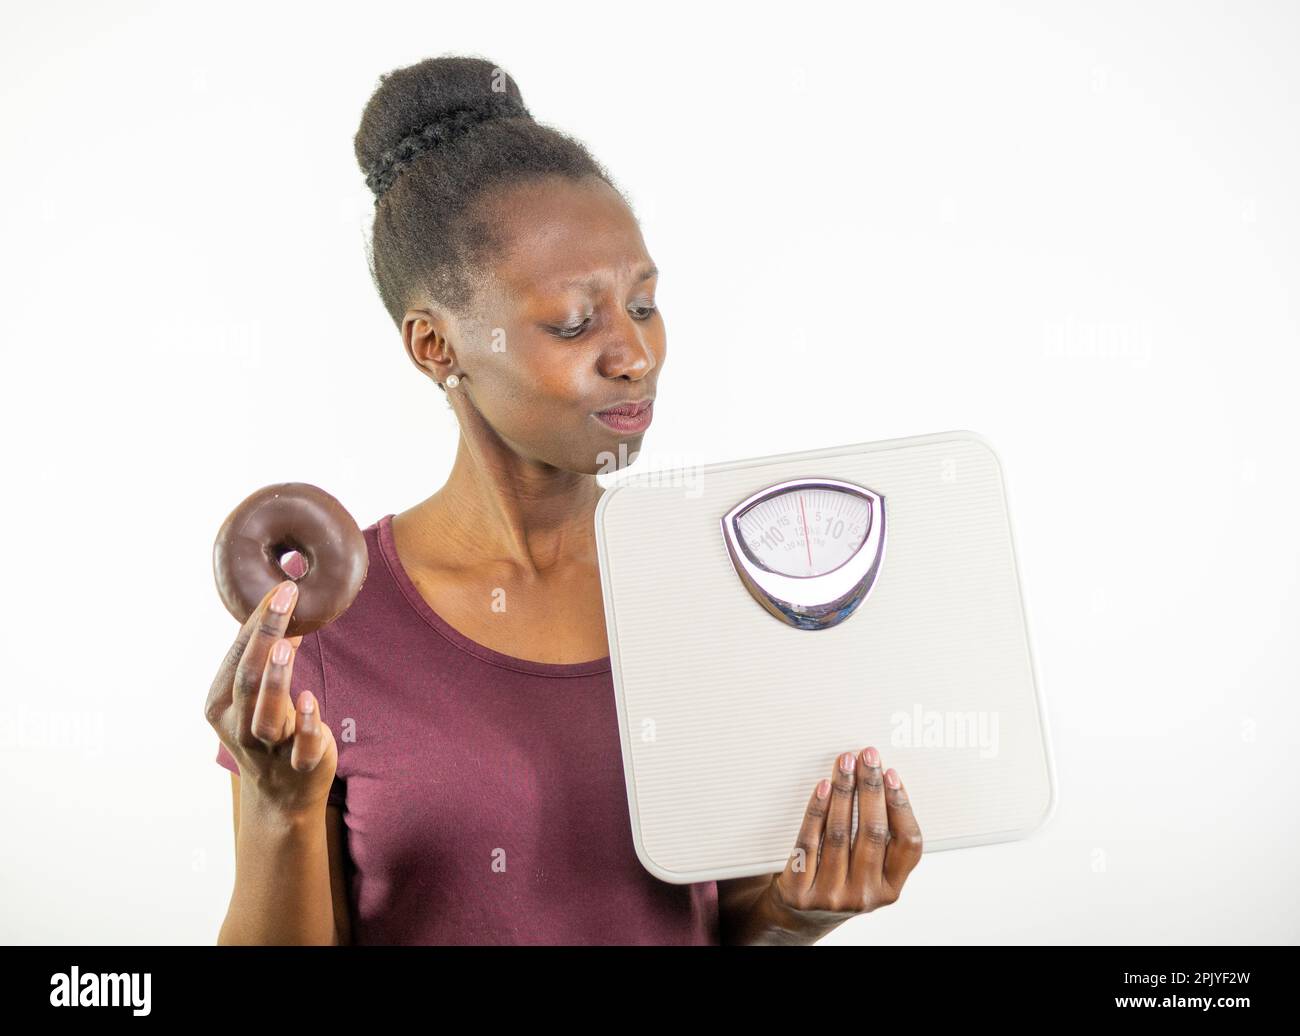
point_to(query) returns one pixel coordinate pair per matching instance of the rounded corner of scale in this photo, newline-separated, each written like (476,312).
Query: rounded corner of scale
(603,503)
(980,440)
(1043,817)
(656,869)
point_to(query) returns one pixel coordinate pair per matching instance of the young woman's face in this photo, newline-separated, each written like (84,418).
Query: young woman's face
(567,325)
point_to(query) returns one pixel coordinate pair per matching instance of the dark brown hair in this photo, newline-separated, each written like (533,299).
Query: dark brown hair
(435,138)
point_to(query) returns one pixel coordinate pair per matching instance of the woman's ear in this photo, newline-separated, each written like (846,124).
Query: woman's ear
(427,336)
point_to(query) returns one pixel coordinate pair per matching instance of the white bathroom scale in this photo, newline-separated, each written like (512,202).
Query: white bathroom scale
(766,615)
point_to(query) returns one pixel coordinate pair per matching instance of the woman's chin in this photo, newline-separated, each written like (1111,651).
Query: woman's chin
(621,451)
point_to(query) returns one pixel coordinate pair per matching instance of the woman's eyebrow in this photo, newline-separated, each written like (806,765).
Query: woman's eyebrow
(591,282)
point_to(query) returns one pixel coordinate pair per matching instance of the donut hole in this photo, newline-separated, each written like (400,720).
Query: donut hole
(293,564)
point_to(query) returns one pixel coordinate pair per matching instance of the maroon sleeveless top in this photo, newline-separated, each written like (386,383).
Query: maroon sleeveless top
(483,794)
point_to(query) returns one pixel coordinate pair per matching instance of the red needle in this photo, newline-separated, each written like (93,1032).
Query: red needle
(806,541)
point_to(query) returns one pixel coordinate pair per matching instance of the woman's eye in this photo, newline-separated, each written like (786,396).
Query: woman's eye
(572,330)
(643,312)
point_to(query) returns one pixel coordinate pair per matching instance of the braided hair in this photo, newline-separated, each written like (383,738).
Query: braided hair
(434,138)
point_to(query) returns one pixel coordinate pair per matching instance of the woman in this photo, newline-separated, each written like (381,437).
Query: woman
(475,790)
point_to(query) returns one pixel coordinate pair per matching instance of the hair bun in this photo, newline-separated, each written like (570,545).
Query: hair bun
(426,105)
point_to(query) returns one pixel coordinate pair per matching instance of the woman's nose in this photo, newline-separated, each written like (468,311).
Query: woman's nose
(630,351)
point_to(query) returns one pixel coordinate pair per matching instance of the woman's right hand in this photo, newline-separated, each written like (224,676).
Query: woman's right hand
(286,755)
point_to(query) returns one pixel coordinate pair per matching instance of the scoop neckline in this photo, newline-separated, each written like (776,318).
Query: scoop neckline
(422,608)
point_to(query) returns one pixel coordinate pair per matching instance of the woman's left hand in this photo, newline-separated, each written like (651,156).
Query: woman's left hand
(833,875)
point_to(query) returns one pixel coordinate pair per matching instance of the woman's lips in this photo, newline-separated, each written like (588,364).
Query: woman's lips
(628,418)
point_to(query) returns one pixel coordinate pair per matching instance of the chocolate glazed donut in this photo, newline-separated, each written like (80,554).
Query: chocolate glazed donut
(274,522)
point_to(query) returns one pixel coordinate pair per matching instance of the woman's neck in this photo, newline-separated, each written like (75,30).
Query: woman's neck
(499,507)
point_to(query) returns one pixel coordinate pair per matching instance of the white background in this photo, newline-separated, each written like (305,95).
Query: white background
(1072,228)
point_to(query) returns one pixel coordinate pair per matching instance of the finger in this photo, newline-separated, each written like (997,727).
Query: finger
(309,738)
(873,824)
(274,712)
(801,867)
(221,693)
(833,867)
(904,849)
(267,625)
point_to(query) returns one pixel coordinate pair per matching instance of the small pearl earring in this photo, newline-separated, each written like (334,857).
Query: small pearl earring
(453,380)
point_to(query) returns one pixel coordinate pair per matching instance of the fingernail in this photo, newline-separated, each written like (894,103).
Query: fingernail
(823,788)
(284,597)
(308,712)
(872,756)
(891,778)
(846,762)
(280,653)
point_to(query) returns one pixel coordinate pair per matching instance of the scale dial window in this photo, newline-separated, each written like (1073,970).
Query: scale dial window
(805,532)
